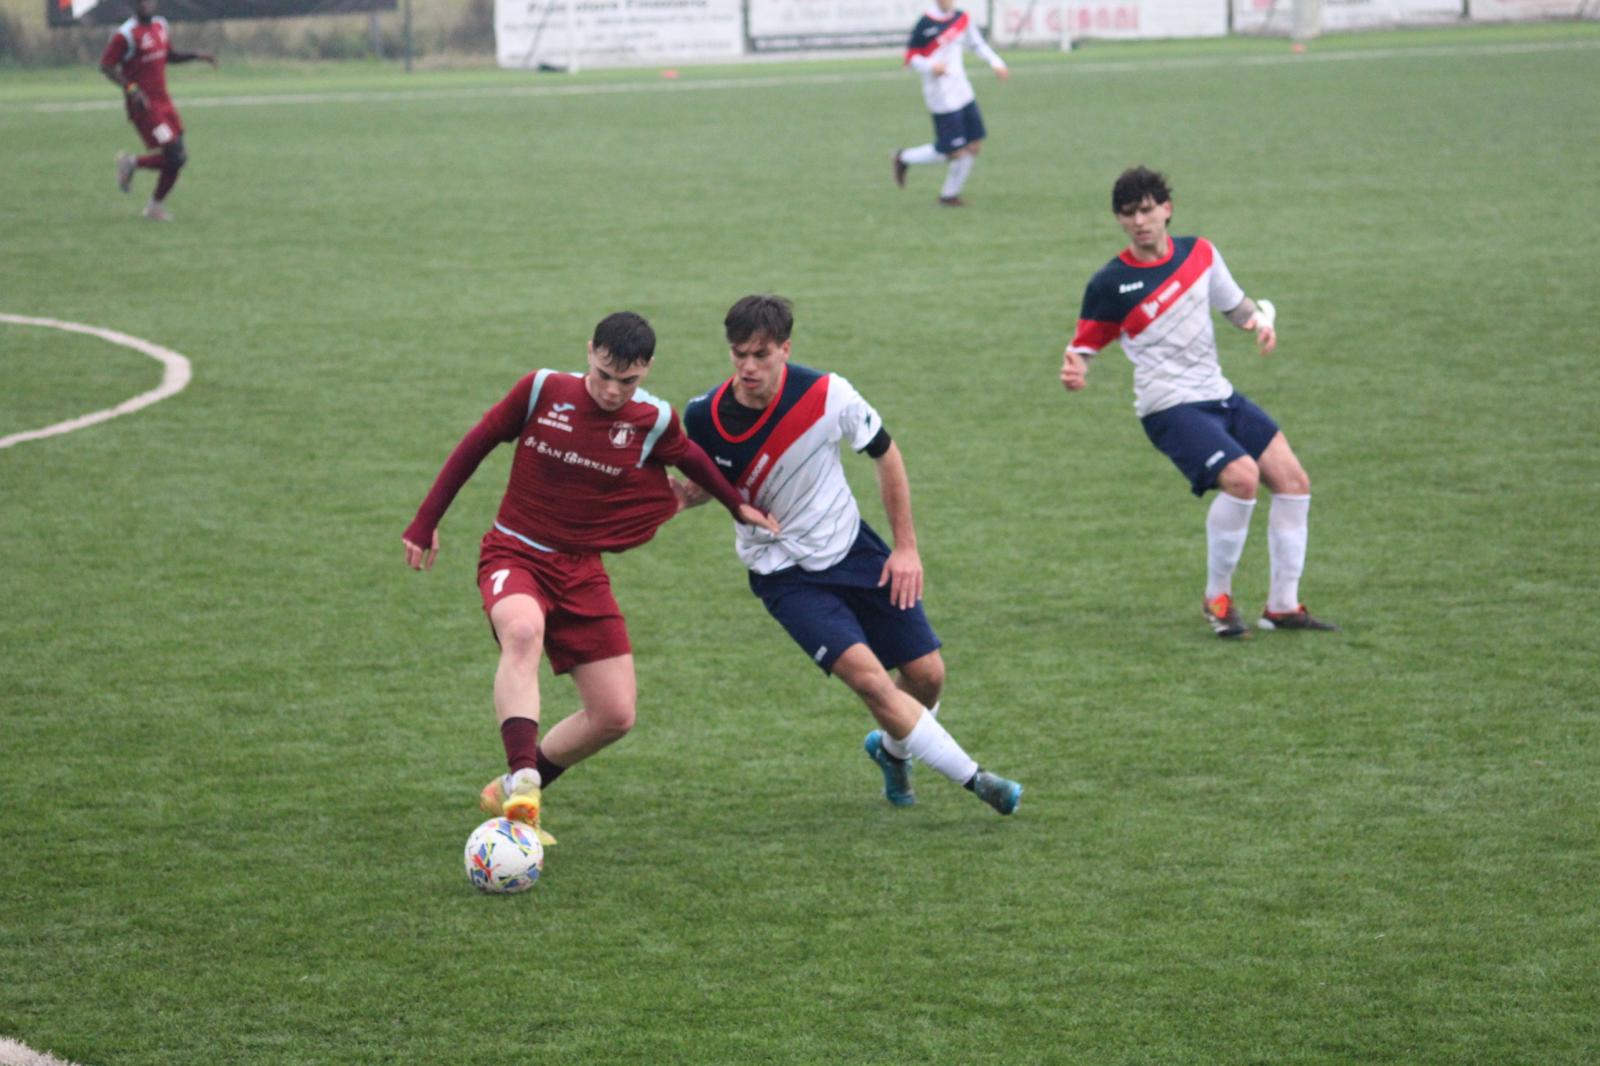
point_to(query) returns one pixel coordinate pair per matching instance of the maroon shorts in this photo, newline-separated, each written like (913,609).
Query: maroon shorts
(582,622)
(157,122)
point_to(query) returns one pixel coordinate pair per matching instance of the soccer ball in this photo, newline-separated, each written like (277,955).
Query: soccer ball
(504,856)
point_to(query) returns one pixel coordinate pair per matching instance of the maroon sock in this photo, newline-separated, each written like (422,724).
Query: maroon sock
(153,161)
(169,177)
(548,771)
(521,739)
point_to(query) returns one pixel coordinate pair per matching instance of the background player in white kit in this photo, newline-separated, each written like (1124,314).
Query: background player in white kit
(1156,298)
(935,52)
(853,604)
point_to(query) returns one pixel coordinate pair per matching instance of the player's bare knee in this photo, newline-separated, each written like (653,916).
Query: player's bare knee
(924,678)
(522,637)
(1240,478)
(613,722)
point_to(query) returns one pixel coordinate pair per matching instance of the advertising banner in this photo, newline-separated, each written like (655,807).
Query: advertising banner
(534,34)
(113,12)
(1029,22)
(1504,10)
(1277,16)
(786,25)
(1132,19)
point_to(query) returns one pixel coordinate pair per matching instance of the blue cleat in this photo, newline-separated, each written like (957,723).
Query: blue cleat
(998,792)
(896,772)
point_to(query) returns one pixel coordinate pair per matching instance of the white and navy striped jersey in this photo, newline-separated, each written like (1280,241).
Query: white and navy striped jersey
(788,465)
(941,38)
(1161,312)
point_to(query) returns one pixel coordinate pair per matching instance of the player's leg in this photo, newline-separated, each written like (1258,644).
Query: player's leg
(971,135)
(1287,532)
(936,151)
(923,680)
(518,619)
(609,692)
(174,156)
(903,719)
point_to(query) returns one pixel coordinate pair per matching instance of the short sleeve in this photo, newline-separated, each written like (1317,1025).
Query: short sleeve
(858,420)
(1225,292)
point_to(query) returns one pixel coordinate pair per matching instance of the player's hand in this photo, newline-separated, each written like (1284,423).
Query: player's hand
(1074,371)
(206,57)
(1003,73)
(903,574)
(755,516)
(136,98)
(419,559)
(938,69)
(1266,338)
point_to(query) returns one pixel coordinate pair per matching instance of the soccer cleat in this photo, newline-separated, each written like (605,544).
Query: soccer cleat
(896,772)
(516,796)
(156,213)
(998,792)
(900,169)
(952,201)
(126,165)
(1299,618)
(1223,617)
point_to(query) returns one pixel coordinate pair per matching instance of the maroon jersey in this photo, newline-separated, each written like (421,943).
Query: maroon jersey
(139,50)
(583,479)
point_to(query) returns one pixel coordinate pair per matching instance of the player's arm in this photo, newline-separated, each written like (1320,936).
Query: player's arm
(111,66)
(902,571)
(974,40)
(190,57)
(1258,318)
(705,476)
(501,422)
(1098,325)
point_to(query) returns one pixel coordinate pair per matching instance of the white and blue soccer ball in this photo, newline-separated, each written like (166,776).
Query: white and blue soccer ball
(504,857)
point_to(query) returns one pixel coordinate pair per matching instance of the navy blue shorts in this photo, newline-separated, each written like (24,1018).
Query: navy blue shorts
(954,130)
(827,611)
(1202,438)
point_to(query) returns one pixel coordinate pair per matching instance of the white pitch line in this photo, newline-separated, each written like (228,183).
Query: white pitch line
(174,378)
(1091,67)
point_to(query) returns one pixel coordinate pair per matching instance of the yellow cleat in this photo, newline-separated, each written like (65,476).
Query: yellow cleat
(516,796)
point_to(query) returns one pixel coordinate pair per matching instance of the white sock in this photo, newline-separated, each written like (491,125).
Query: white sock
(921,154)
(1286,545)
(956,176)
(929,743)
(1227,526)
(897,748)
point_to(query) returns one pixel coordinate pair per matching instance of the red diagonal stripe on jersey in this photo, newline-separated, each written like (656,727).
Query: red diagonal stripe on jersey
(1192,270)
(957,27)
(806,412)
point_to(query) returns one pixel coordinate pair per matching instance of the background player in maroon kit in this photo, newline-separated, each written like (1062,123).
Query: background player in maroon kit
(588,477)
(136,60)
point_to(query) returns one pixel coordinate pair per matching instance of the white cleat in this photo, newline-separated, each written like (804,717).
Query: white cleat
(156,213)
(126,165)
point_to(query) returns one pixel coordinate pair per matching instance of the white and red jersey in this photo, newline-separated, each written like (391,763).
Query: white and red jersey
(139,50)
(944,38)
(583,479)
(1161,312)
(788,465)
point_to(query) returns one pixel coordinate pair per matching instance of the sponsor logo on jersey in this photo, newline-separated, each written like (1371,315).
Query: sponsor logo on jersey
(557,418)
(572,458)
(621,434)
(724,462)
(1131,286)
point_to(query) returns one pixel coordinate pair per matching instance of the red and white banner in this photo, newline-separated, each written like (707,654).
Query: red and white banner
(1506,10)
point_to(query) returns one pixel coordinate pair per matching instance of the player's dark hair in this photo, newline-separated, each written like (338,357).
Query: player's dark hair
(769,315)
(626,337)
(1134,184)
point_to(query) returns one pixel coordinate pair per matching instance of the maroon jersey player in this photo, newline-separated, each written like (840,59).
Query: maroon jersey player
(588,476)
(136,59)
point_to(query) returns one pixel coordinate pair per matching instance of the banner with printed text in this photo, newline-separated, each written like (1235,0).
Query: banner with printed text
(114,12)
(535,34)
(1277,16)
(789,25)
(1507,10)
(1133,19)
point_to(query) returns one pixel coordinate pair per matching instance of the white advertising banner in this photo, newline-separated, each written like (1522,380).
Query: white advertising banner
(1503,10)
(1029,22)
(790,24)
(1277,16)
(529,34)
(1131,19)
